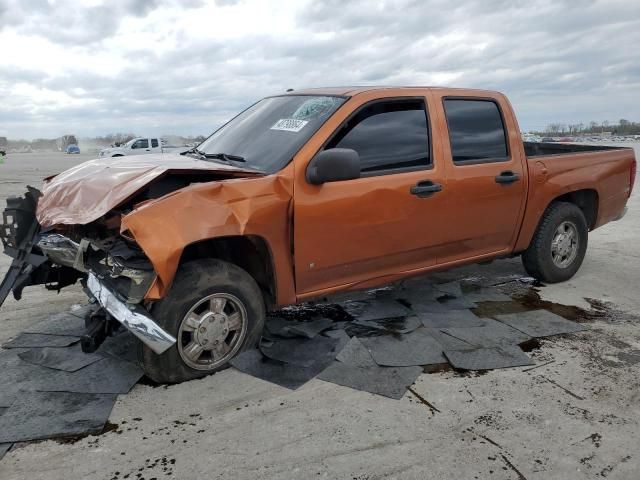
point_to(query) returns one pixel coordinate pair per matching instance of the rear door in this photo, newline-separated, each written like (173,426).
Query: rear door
(486,175)
(384,223)
(156,146)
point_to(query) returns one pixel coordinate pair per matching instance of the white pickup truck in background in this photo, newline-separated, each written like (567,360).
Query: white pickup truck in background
(141,146)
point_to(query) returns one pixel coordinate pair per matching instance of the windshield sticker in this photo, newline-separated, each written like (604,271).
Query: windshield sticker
(315,107)
(289,125)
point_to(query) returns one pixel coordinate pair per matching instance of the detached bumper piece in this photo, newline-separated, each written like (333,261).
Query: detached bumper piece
(135,318)
(18,232)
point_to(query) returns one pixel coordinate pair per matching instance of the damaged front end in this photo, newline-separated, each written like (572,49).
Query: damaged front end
(112,269)
(75,230)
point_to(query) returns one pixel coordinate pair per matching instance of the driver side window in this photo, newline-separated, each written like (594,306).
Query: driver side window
(388,135)
(142,143)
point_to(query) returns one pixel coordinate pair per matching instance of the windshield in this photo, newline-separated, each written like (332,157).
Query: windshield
(268,134)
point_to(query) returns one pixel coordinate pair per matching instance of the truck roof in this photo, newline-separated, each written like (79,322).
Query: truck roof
(349,91)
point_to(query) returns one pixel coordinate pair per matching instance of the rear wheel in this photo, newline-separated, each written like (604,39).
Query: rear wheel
(215,310)
(559,245)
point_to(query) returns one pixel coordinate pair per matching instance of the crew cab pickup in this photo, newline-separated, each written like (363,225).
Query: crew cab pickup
(141,146)
(303,195)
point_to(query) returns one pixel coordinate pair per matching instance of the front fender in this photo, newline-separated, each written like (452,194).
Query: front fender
(254,206)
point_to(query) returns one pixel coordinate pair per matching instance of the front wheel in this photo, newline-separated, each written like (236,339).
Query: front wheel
(215,310)
(559,244)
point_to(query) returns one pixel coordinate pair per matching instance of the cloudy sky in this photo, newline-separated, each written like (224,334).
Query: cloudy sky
(168,66)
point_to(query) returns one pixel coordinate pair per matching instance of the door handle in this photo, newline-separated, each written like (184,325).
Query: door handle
(425,188)
(507,177)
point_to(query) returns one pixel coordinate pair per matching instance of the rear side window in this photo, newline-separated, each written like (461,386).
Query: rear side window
(476,131)
(154,142)
(387,135)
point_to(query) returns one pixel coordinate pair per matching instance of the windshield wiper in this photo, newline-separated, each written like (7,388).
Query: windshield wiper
(193,150)
(223,156)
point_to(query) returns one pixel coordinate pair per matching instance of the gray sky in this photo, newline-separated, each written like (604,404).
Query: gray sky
(168,66)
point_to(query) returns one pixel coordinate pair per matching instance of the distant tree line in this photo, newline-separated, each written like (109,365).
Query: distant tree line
(623,127)
(113,139)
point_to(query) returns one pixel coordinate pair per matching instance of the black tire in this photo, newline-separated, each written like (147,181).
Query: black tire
(195,281)
(537,258)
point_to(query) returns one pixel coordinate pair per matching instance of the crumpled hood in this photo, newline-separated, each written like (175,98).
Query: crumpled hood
(88,191)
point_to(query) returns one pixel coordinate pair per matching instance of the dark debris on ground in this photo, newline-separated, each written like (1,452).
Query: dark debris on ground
(378,341)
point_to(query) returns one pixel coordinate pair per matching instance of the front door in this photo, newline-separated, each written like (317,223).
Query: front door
(385,223)
(140,147)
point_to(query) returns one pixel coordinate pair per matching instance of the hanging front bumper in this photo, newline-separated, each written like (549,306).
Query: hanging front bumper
(135,318)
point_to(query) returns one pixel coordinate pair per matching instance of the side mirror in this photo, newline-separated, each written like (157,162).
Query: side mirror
(333,165)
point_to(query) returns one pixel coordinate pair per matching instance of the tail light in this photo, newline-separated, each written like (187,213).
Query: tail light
(632,176)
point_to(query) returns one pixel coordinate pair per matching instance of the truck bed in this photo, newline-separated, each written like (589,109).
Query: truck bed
(584,174)
(537,149)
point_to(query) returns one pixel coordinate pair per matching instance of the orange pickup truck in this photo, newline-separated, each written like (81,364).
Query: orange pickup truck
(301,195)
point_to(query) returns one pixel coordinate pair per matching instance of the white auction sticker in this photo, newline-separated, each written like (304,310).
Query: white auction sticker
(289,125)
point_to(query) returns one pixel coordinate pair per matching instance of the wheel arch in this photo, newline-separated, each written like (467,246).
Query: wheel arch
(586,199)
(249,252)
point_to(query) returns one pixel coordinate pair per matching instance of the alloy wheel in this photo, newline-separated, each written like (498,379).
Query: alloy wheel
(212,332)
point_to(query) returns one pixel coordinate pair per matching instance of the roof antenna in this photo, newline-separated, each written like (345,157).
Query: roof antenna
(289,89)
